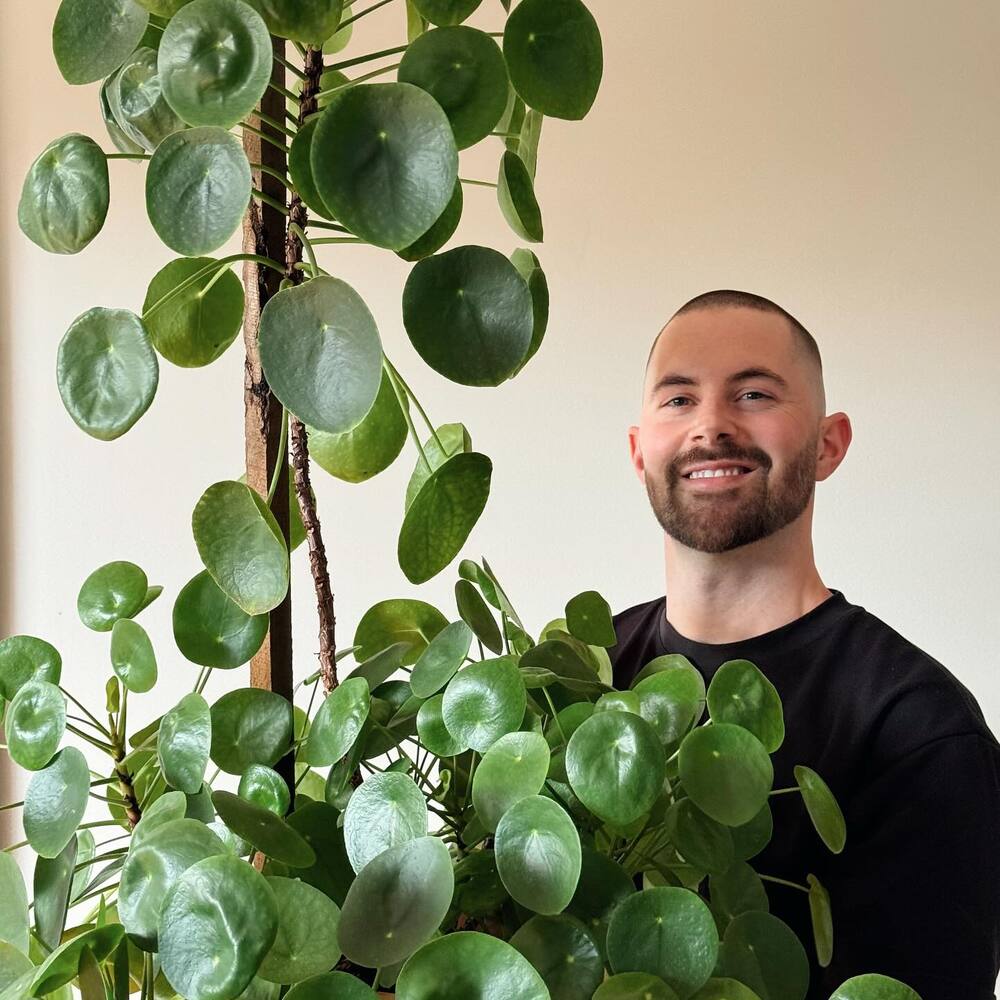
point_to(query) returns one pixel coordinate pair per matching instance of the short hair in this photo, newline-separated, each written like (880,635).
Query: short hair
(722,298)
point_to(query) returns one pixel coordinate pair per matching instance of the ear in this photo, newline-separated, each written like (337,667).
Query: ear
(835,439)
(635,453)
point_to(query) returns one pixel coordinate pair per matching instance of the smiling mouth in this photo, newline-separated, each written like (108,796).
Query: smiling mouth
(734,472)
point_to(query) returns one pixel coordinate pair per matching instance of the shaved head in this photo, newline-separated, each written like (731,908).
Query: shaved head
(805,349)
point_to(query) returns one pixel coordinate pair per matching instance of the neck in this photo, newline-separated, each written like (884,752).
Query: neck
(735,595)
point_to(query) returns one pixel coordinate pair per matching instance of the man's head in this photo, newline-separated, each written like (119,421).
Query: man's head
(732,377)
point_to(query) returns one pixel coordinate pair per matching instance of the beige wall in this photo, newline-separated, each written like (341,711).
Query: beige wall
(839,157)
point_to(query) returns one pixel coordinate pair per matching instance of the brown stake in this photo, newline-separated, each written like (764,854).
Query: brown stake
(264,234)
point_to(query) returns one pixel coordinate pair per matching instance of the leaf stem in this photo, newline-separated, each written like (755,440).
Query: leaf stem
(290,66)
(338,239)
(276,174)
(781,881)
(782,791)
(282,443)
(93,741)
(284,91)
(469,180)
(268,200)
(128,156)
(555,716)
(361,13)
(317,224)
(416,401)
(367,58)
(86,711)
(350,83)
(268,120)
(406,413)
(267,138)
(304,240)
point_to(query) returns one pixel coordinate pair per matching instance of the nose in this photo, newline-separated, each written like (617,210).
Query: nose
(714,422)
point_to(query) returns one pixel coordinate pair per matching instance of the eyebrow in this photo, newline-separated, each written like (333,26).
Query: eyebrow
(675,378)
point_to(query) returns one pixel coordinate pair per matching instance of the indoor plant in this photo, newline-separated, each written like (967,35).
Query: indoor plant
(514,832)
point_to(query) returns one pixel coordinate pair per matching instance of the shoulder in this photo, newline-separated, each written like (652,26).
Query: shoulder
(911,698)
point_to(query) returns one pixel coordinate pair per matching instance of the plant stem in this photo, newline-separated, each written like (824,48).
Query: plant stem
(268,200)
(555,716)
(368,58)
(275,124)
(783,791)
(350,83)
(128,156)
(100,744)
(318,224)
(282,441)
(276,174)
(12,805)
(267,138)
(338,239)
(90,715)
(300,233)
(507,135)
(284,91)
(416,402)
(290,66)
(361,13)
(202,681)
(781,881)
(406,413)
(469,180)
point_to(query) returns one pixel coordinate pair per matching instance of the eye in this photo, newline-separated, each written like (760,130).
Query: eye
(754,392)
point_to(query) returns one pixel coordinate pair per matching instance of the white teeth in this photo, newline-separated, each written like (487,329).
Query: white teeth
(713,473)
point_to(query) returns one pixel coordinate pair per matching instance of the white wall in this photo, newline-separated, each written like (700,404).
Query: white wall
(839,157)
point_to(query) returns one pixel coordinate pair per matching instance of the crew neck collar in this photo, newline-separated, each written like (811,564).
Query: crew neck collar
(788,636)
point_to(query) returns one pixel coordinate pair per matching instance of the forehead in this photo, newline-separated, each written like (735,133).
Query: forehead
(711,344)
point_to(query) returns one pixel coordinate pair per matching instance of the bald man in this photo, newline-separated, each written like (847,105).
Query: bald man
(732,437)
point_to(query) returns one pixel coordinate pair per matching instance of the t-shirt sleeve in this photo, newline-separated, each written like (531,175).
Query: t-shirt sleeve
(915,894)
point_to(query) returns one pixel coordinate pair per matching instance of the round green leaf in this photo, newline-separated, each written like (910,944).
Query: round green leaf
(397,620)
(241,545)
(475,966)
(538,854)
(437,664)
(615,765)
(14,965)
(306,942)
(121,141)
(668,932)
(264,787)
(213,631)
(65,196)
(821,918)
(301,20)
(444,512)
(195,326)
(462,68)
(316,822)
(107,371)
(475,612)
(24,658)
(369,447)
(621,701)
(35,723)
(439,233)
(63,964)
(331,986)
(516,196)
(321,352)
(92,38)
(635,986)
(170,805)
(565,954)
(446,11)
(873,986)
(384,161)
(338,722)
(300,165)
(132,656)
(822,807)
(739,693)
(483,701)
(603,884)
(512,769)
(554,56)
(197,184)
(704,842)
(528,267)
(268,832)
(13,907)
(397,902)
(153,865)
(433,733)
(215,62)
(250,726)
(724,988)
(671,701)
(468,314)
(735,891)
(137,102)
(588,617)
(183,743)
(726,771)
(453,438)
(385,809)
(763,952)
(219,920)
(55,801)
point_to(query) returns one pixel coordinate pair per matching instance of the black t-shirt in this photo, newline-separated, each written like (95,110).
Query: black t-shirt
(904,747)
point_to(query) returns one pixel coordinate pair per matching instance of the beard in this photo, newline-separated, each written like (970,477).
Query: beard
(729,519)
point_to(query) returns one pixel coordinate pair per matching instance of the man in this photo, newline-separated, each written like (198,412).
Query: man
(735,382)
